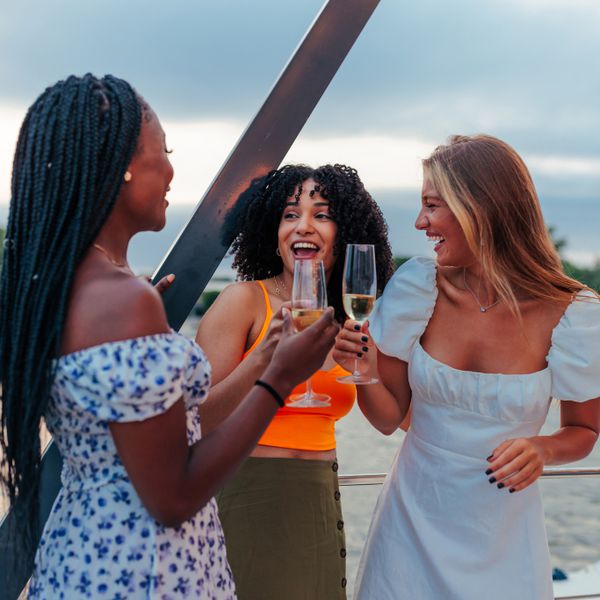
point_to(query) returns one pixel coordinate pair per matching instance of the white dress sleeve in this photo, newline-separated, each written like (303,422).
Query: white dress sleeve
(135,379)
(574,357)
(401,314)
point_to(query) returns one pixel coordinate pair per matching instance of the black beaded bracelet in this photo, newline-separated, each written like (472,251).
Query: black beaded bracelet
(272,391)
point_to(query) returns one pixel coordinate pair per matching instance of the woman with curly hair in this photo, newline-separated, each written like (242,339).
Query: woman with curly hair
(281,515)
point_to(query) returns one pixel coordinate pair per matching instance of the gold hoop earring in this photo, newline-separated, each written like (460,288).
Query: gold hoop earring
(127,177)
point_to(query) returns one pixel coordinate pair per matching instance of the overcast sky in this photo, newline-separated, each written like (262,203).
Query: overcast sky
(524,70)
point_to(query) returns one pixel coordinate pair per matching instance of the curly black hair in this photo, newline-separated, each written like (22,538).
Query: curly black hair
(251,225)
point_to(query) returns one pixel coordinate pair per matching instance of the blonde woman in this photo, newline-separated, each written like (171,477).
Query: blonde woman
(476,342)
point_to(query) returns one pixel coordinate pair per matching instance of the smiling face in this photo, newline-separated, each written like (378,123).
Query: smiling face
(143,198)
(306,229)
(443,229)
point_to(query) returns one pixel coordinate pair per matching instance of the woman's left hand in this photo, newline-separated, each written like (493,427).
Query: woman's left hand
(162,284)
(516,464)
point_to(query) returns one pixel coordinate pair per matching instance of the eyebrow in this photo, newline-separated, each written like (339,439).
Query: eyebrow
(295,203)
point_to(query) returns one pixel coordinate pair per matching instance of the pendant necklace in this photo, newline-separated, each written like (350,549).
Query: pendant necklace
(279,286)
(467,287)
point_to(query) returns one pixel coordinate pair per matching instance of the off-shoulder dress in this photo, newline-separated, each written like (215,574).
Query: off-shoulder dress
(100,541)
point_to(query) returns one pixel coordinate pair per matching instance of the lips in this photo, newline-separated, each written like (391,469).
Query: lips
(305,250)
(438,240)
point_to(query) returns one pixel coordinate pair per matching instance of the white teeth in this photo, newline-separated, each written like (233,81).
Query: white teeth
(435,238)
(306,245)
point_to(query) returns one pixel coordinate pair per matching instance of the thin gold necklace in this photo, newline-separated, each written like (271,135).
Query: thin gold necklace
(279,285)
(467,287)
(112,260)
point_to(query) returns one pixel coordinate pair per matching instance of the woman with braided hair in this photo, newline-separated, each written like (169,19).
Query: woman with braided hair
(86,345)
(281,515)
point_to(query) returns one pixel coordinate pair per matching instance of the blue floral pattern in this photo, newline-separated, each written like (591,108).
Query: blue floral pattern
(100,542)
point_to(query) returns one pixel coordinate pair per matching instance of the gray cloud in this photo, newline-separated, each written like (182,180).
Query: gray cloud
(423,69)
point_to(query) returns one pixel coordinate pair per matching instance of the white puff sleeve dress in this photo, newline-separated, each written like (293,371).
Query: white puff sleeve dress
(100,541)
(440,530)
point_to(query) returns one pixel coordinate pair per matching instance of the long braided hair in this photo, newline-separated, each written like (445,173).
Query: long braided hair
(74,147)
(252,224)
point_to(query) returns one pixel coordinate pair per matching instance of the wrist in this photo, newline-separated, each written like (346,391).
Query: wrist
(277,378)
(544,444)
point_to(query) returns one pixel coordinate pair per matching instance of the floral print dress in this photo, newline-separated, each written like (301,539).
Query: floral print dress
(100,541)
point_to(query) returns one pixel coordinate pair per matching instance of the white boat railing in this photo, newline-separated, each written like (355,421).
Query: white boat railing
(379,478)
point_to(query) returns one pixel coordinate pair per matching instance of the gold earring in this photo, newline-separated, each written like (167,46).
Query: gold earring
(127,177)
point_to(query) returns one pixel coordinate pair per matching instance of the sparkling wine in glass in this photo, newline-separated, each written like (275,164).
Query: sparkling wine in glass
(359,287)
(309,300)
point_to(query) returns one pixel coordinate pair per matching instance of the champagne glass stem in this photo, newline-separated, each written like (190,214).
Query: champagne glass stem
(356,371)
(309,389)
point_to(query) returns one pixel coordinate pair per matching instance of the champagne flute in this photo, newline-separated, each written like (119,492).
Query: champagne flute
(359,286)
(309,300)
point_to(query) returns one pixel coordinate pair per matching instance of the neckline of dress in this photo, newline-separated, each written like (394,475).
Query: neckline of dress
(478,373)
(558,325)
(113,342)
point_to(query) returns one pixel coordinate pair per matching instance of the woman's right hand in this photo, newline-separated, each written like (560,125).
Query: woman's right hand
(354,348)
(299,355)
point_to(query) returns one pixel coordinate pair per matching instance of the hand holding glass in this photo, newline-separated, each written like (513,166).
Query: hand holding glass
(309,300)
(359,287)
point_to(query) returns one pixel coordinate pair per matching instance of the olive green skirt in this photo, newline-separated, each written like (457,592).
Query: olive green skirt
(284,531)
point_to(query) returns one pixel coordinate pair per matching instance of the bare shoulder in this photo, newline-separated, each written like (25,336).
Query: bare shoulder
(237,306)
(112,307)
(241,296)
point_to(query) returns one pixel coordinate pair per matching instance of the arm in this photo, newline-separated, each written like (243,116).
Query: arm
(223,333)
(385,404)
(517,463)
(174,480)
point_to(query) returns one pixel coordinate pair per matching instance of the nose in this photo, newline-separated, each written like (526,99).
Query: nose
(422,221)
(304,224)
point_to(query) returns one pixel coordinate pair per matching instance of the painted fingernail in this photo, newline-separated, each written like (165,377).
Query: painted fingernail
(365,349)
(489,457)
(500,486)
(512,490)
(364,338)
(488,472)
(359,354)
(492,480)
(357,328)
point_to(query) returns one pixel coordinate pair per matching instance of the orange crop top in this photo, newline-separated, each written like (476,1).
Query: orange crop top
(310,428)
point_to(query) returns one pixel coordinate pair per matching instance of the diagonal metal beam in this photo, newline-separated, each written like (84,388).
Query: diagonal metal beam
(197,252)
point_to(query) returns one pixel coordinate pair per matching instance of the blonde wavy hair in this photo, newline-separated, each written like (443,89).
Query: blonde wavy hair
(490,191)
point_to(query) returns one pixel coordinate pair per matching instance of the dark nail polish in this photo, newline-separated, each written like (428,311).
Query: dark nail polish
(488,472)
(364,338)
(357,328)
(365,349)
(500,486)
(512,490)
(489,457)
(492,480)
(359,354)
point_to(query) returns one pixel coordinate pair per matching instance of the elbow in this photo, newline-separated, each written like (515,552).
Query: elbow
(387,429)
(168,516)
(173,513)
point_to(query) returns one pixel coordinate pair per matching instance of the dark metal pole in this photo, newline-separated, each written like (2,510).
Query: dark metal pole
(197,252)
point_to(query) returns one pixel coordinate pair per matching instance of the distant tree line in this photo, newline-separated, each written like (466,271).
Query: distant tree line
(588,275)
